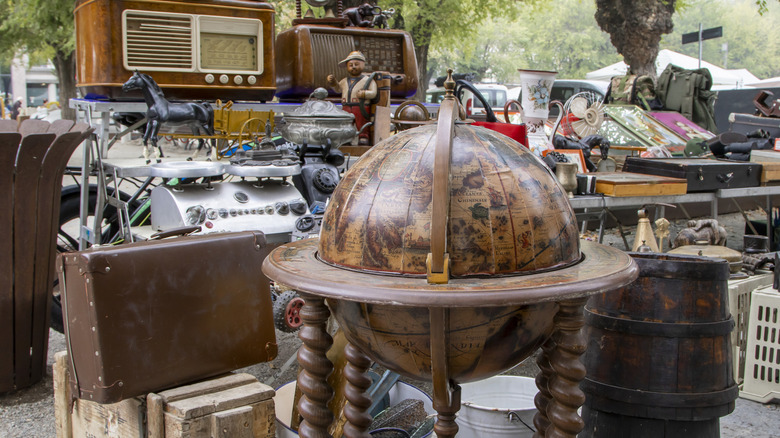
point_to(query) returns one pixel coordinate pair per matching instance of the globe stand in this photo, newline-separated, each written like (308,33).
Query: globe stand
(557,402)
(448,326)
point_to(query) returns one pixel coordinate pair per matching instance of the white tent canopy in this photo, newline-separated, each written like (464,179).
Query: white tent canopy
(765,83)
(721,78)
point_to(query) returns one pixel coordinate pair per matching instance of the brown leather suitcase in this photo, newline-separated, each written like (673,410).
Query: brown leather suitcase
(151,315)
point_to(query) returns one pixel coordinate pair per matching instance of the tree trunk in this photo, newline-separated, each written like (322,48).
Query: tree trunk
(635,28)
(65,65)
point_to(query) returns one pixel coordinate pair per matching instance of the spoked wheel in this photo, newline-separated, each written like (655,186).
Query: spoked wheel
(287,311)
(68,237)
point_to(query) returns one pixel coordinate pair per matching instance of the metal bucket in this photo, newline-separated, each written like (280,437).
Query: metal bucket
(500,406)
(285,394)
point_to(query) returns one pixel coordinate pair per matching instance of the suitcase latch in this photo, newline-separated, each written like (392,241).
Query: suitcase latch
(701,174)
(725,178)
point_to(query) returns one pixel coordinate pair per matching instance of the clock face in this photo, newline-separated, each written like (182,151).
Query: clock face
(606,165)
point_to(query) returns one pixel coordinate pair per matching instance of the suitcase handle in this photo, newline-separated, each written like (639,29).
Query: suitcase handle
(181,231)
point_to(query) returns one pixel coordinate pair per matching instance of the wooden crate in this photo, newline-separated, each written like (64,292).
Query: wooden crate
(235,405)
(770,173)
(620,184)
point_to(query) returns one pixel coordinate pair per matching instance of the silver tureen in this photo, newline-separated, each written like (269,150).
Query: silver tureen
(317,121)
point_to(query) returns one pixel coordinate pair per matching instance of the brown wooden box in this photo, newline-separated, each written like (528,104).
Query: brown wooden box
(770,173)
(620,184)
(232,406)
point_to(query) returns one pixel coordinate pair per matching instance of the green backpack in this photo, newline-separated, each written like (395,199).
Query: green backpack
(634,90)
(689,93)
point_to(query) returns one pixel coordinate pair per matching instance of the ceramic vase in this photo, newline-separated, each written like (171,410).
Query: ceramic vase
(536,86)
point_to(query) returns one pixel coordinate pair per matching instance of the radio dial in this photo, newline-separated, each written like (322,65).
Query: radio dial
(238,79)
(251,80)
(224,79)
(209,78)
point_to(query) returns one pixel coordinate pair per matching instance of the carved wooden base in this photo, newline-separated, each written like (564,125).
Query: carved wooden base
(557,402)
(315,368)
(561,372)
(358,402)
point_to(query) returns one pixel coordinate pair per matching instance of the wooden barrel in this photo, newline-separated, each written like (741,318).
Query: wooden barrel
(659,356)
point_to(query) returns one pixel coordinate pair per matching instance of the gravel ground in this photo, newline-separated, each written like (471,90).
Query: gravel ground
(29,413)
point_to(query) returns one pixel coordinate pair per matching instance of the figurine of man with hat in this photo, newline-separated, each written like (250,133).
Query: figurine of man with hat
(354,88)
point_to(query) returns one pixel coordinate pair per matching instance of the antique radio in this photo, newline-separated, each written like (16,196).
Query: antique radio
(309,53)
(197,49)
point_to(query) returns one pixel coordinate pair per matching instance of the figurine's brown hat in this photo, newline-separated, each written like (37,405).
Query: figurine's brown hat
(353,55)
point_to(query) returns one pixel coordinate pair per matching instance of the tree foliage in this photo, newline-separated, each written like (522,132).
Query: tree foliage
(745,34)
(560,36)
(448,22)
(43,28)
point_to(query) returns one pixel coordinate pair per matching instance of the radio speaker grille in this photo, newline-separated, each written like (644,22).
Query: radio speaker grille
(156,41)
(338,45)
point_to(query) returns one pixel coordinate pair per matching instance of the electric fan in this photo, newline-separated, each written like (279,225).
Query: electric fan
(583,115)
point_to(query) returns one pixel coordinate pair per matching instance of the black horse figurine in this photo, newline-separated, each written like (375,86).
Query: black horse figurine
(199,116)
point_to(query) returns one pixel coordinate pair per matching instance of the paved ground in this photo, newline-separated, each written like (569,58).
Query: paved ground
(29,413)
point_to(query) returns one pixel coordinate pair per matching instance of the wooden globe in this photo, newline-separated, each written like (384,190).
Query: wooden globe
(447,253)
(507,213)
(508,216)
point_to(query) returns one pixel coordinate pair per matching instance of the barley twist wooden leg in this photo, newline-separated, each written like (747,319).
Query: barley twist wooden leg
(312,380)
(569,371)
(445,426)
(358,402)
(543,397)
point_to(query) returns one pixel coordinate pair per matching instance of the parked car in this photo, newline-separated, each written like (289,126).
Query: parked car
(496,96)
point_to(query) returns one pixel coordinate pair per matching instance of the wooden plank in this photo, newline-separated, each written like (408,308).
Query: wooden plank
(89,419)
(206,387)
(28,168)
(50,183)
(233,423)
(62,421)
(770,171)
(115,420)
(33,126)
(206,404)
(9,144)
(61,126)
(155,419)
(8,125)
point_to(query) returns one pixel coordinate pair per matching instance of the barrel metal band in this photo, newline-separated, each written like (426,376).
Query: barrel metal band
(660,329)
(661,399)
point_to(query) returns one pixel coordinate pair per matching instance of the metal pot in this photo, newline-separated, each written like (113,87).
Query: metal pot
(704,249)
(317,121)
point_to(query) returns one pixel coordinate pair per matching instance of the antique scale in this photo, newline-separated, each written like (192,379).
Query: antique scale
(448,253)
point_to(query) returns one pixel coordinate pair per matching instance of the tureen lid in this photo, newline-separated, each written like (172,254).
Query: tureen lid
(317,107)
